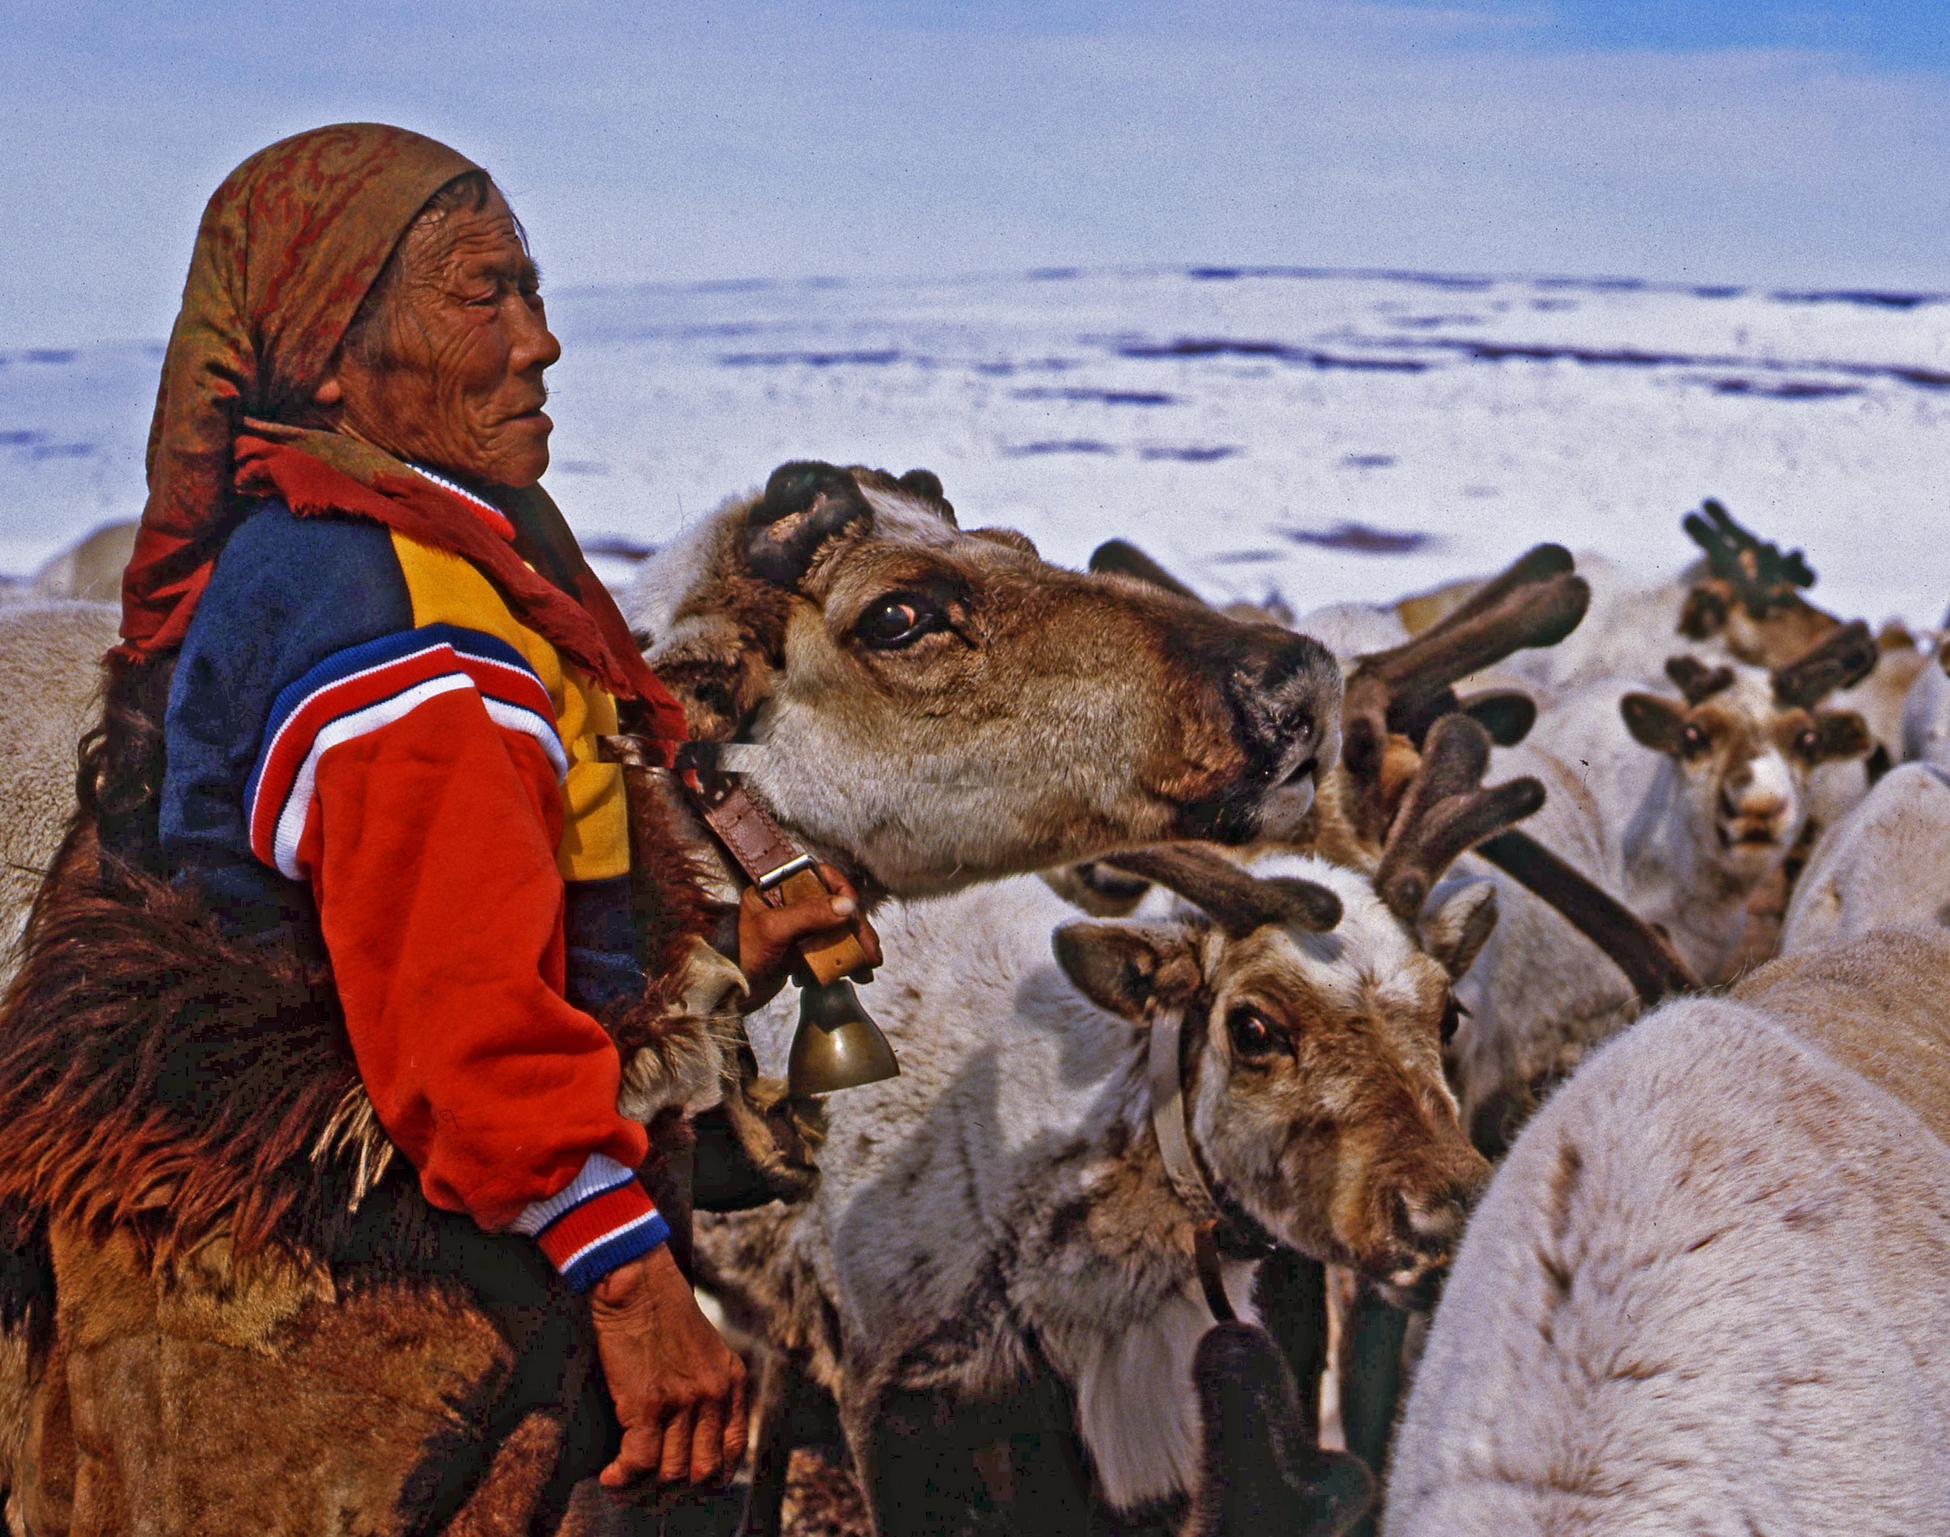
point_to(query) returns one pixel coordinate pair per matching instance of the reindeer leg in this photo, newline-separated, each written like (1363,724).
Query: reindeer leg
(905,1464)
(780,1383)
(1371,1382)
(1292,1299)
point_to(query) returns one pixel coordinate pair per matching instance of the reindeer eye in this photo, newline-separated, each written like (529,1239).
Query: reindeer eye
(1807,742)
(1692,740)
(1252,1035)
(1453,1014)
(898,620)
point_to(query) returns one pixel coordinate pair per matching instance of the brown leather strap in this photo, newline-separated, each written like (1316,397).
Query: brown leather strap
(1211,1278)
(781,870)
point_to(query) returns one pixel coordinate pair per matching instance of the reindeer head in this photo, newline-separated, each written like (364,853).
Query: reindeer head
(1317,1002)
(946,707)
(1743,742)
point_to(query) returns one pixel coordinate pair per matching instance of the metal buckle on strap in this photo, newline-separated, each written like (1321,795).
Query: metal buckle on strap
(785,872)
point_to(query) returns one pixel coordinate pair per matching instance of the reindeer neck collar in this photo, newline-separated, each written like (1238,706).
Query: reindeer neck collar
(1221,1227)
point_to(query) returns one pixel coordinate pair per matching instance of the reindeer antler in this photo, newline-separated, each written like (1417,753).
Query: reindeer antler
(1447,810)
(1537,601)
(1843,660)
(1237,900)
(1695,679)
(1762,578)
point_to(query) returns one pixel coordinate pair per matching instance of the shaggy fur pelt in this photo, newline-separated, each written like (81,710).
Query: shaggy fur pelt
(163,1079)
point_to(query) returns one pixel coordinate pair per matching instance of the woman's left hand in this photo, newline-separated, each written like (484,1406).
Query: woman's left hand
(767,935)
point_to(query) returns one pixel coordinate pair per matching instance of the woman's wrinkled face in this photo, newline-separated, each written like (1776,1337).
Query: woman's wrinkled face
(463,345)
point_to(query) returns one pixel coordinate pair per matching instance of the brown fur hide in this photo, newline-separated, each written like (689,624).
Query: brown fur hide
(168,1083)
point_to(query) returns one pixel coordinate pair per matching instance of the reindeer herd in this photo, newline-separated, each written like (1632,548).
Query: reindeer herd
(1516,1020)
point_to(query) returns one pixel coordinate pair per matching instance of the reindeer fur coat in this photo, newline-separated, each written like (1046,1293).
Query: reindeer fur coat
(203,1231)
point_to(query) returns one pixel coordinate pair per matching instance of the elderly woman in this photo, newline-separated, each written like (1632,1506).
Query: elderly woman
(368,867)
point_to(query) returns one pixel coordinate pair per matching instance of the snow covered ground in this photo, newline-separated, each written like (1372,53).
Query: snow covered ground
(1326,435)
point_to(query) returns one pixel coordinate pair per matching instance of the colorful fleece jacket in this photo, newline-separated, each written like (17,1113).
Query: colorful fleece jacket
(363,744)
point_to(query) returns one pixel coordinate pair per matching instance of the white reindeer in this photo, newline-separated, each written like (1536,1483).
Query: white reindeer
(1709,1288)
(1681,808)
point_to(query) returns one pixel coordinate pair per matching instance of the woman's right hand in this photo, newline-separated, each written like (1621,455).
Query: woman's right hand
(767,935)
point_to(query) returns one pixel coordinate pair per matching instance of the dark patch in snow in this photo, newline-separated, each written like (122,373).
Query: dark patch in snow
(1594,285)
(1430,322)
(582,467)
(1368,461)
(1193,455)
(1716,293)
(21,438)
(51,355)
(1361,539)
(1477,493)
(1054,274)
(1212,347)
(1552,306)
(61,451)
(1788,389)
(1106,397)
(1632,357)
(616,547)
(1005,369)
(809,359)
(1361,274)
(1867,296)
(1062,446)
(1243,557)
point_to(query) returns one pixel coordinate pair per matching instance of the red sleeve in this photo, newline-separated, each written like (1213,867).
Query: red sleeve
(431,848)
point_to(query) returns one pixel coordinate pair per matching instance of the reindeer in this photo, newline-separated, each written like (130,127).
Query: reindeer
(1682,822)
(939,706)
(1709,1288)
(1002,1213)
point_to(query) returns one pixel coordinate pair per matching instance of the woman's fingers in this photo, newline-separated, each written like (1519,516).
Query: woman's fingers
(675,1464)
(707,1442)
(640,1453)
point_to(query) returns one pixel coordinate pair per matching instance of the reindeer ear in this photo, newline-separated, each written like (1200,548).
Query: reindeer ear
(805,503)
(1654,722)
(1458,922)
(1124,967)
(927,486)
(1840,734)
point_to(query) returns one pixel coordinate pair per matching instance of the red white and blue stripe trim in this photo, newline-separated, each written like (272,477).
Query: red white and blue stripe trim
(364,688)
(602,1219)
(492,515)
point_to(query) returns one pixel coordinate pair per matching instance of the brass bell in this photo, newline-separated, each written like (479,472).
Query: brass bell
(837,1044)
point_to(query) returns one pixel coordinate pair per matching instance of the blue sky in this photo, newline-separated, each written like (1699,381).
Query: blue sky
(1795,144)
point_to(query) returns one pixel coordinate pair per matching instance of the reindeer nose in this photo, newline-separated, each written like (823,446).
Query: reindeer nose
(1430,1224)
(1282,693)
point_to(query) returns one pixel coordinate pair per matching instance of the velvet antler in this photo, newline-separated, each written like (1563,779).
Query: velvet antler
(1237,900)
(1695,679)
(1404,691)
(1447,810)
(1762,578)
(1844,659)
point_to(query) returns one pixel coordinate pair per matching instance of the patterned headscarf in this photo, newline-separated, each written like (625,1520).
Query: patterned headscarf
(288,247)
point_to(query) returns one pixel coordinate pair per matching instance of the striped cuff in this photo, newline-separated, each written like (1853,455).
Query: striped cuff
(602,1219)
